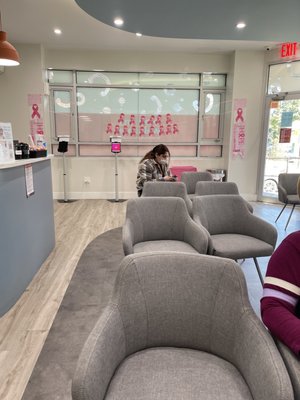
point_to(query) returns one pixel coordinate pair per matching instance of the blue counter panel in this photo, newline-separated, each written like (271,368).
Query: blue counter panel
(26,229)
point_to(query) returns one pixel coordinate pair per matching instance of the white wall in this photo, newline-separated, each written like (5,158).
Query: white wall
(245,80)
(137,61)
(15,85)
(249,84)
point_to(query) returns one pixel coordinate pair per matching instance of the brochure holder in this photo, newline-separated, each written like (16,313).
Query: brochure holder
(115,142)
(63,142)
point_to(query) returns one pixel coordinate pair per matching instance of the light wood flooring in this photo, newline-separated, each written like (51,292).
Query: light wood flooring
(24,328)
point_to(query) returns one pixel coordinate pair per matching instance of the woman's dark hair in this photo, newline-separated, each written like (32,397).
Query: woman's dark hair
(157,150)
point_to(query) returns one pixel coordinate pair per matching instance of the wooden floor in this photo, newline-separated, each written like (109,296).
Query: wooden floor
(23,330)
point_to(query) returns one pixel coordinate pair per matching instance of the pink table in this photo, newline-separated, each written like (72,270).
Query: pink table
(178,170)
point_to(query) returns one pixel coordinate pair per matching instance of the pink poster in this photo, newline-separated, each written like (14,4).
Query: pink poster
(36,119)
(143,125)
(239,127)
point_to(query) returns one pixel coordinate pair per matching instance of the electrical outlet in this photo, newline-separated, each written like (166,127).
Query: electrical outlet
(87,179)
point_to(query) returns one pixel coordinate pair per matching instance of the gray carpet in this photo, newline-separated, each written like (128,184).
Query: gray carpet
(88,293)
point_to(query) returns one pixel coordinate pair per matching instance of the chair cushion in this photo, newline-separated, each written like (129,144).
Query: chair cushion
(234,246)
(163,245)
(176,374)
(293,199)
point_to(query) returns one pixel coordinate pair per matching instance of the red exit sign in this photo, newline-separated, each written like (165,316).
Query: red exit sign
(289,49)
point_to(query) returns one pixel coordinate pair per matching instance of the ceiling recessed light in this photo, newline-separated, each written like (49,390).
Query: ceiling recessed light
(241,25)
(57,31)
(118,21)
(139,34)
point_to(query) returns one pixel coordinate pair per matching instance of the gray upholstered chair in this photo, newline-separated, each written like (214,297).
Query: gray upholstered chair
(292,364)
(180,326)
(208,188)
(287,192)
(168,189)
(160,223)
(191,178)
(234,232)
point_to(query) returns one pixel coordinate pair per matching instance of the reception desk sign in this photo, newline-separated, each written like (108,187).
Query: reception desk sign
(239,127)
(29,180)
(6,143)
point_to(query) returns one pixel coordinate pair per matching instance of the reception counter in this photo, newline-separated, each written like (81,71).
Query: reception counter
(26,225)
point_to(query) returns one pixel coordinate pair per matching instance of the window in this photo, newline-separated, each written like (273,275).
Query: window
(143,108)
(284,77)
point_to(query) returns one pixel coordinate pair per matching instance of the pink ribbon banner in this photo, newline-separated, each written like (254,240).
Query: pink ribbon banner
(239,127)
(36,118)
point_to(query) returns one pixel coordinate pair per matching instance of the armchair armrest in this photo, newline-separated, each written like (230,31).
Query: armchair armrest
(261,229)
(292,364)
(282,193)
(196,235)
(128,237)
(103,351)
(257,358)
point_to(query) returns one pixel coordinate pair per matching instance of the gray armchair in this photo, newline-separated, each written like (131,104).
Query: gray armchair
(180,326)
(191,178)
(234,232)
(160,223)
(168,189)
(287,192)
(208,188)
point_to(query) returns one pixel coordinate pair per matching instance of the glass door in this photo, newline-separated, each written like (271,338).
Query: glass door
(282,147)
(62,112)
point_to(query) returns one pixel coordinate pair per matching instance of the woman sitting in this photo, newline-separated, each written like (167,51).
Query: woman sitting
(154,166)
(280,305)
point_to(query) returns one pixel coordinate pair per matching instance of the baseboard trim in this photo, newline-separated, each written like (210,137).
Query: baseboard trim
(94,195)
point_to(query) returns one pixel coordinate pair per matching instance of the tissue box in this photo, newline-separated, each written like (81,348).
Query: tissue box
(37,153)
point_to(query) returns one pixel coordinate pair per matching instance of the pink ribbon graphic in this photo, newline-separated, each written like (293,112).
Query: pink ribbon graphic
(117,130)
(151,132)
(109,128)
(239,115)
(142,131)
(132,119)
(151,120)
(169,130)
(35,109)
(133,131)
(168,119)
(121,118)
(125,130)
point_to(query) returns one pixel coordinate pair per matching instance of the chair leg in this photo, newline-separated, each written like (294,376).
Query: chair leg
(281,212)
(258,271)
(290,216)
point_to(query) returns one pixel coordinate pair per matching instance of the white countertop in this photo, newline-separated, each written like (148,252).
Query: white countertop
(18,163)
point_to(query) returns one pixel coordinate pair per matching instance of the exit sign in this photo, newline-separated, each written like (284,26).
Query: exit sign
(288,49)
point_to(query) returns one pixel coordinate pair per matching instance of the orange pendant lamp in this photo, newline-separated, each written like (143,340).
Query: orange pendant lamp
(8,54)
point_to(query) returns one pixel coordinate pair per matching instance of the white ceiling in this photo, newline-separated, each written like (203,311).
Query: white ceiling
(33,21)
